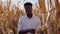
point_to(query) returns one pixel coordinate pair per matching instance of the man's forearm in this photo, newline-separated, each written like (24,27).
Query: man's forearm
(26,31)
(22,32)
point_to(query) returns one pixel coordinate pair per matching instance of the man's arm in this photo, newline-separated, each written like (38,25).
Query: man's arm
(26,31)
(20,26)
(39,23)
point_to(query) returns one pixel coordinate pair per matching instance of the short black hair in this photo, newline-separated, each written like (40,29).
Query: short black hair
(28,3)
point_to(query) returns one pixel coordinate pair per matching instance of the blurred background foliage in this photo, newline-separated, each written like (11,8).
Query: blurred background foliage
(50,18)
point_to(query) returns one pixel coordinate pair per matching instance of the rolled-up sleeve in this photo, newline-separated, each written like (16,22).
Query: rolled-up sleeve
(39,25)
(20,26)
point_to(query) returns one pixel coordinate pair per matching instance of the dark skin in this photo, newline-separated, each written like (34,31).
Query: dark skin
(28,9)
(26,31)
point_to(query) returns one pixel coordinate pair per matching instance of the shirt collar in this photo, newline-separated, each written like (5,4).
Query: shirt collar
(28,18)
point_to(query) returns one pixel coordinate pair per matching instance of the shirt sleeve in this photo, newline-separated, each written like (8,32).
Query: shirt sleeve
(20,26)
(39,24)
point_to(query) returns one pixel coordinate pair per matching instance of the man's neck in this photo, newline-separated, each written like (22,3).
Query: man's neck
(30,16)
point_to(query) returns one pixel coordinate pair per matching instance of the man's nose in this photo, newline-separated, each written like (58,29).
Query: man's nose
(28,9)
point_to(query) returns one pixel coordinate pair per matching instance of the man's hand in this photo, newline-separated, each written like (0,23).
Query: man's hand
(31,30)
(26,31)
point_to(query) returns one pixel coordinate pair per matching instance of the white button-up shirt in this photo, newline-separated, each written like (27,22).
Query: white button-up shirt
(26,23)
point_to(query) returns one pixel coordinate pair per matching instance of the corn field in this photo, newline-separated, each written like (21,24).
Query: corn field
(50,18)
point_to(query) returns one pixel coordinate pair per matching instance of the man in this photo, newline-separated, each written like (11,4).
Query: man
(29,22)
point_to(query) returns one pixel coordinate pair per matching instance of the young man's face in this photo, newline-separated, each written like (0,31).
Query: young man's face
(28,9)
